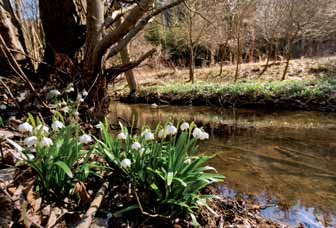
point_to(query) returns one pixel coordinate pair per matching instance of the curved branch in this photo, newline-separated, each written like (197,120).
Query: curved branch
(138,27)
(113,72)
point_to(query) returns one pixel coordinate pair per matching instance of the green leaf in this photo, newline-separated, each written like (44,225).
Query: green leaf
(65,168)
(194,220)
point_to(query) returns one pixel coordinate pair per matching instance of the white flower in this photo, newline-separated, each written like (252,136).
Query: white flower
(148,135)
(171,130)
(184,126)
(84,93)
(57,125)
(70,89)
(197,133)
(85,138)
(141,151)
(100,125)
(63,103)
(79,98)
(54,93)
(162,134)
(121,136)
(3,107)
(45,141)
(44,128)
(188,161)
(76,113)
(25,127)
(136,146)
(125,163)
(66,109)
(204,136)
(30,141)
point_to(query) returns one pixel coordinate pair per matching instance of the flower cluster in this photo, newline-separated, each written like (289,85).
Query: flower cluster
(147,135)
(39,134)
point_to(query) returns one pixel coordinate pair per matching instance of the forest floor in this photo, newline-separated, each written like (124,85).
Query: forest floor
(310,85)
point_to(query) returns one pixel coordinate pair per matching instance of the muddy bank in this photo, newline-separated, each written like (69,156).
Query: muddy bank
(326,103)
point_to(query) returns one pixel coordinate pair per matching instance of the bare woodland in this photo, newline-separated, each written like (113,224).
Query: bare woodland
(93,33)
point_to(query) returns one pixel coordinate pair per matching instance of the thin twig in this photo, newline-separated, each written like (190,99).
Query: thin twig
(144,212)
(95,204)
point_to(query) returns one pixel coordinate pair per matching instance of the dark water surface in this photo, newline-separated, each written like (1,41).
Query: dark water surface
(286,161)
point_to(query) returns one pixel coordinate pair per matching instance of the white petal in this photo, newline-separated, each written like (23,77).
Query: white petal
(25,127)
(125,163)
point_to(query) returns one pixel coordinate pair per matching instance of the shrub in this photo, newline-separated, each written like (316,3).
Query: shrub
(166,170)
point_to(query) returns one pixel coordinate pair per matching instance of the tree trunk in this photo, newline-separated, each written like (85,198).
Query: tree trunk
(288,57)
(192,65)
(237,58)
(191,50)
(269,51)
(64,24)
(125,59)
(129,74)
(10,30)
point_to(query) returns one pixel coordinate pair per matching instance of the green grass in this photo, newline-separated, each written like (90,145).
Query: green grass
(296,88)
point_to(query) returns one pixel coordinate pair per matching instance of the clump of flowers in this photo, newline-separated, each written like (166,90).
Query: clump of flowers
(163,164)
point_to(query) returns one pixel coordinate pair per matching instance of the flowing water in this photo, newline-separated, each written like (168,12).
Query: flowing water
(285,161)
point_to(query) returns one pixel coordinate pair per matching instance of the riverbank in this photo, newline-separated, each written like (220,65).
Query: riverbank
(317,95)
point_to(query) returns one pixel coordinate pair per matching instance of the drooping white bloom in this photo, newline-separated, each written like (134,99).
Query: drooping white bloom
(54,93)
(25,127)
(3,107)
(84,93)
(57,125)
(122,136)
(79,98)
(45,141)
(171,129)
(100,125)
(184,126)
(197,132)
(204,136)
(187,161)
(30,141)
(148,135)
(141,151)
(136,146)
(42,128)
(85,138)
(63,103)
(125,163)
(70,89)
(161,134)
(76,113)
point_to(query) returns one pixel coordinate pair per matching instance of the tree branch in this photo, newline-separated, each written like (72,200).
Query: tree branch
(138,27)
(113,72)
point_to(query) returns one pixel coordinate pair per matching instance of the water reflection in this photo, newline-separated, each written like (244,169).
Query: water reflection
(289,156)
(294,215)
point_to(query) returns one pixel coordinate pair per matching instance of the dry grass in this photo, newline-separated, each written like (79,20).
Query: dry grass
(151,74)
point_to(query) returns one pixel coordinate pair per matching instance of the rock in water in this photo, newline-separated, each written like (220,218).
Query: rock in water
(154,105)
(6,211)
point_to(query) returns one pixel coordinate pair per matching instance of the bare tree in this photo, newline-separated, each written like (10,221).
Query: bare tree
(301,18)
(101,43)
(239,11)
(10,30)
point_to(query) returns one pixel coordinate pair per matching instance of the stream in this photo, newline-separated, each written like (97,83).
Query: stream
(284,161)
